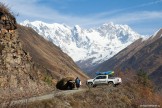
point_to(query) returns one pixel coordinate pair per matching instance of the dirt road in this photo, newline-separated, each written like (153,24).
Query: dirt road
(44,97)
(47,96)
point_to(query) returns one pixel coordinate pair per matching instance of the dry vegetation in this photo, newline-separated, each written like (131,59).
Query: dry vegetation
(136,90)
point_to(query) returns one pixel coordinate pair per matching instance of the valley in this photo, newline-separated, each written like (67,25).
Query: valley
(92,46)
(40,62)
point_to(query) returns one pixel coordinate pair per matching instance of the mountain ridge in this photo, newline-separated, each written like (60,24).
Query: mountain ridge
(94,45)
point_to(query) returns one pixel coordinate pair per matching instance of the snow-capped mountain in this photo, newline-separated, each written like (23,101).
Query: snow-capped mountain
(95,44)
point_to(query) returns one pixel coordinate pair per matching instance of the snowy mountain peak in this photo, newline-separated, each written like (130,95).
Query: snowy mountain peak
(94,44)
(77,27)
(116,27)
(109,24)
(26,22)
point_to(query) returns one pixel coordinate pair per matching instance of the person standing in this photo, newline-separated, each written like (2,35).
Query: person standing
(77,82)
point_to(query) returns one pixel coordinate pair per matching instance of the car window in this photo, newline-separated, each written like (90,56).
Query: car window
(99,77)
(103,77)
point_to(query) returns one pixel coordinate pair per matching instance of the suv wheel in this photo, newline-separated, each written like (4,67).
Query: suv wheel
(110,84)
(90,84)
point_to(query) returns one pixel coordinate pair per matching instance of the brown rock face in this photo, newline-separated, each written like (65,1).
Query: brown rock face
(17,71)
(14,61)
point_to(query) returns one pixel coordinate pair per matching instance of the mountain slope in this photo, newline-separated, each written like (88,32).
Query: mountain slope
(142,54)
(49,56)
(87,47)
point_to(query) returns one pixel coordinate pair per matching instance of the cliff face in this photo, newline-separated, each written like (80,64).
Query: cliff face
(17,71)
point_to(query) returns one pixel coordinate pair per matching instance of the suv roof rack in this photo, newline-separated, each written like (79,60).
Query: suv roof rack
(105,73)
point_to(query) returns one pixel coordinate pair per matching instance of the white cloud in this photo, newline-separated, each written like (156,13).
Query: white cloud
(137,16)
(149,3)
(30,9)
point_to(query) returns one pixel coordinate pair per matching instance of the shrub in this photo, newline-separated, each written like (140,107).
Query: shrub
(48,80)
(142,78)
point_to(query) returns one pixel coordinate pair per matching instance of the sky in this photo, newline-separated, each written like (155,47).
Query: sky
(143,16)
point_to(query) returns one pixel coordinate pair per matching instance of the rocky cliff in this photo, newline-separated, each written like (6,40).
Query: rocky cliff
(19,75)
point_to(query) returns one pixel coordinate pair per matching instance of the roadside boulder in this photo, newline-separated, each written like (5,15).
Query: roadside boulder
(67,83)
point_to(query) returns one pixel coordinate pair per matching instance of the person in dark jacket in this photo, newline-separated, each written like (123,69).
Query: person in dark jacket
(77,82)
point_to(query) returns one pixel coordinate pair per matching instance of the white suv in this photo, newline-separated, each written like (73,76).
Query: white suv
(104,79)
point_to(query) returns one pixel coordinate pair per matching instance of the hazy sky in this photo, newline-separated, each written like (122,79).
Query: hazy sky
(143,16)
